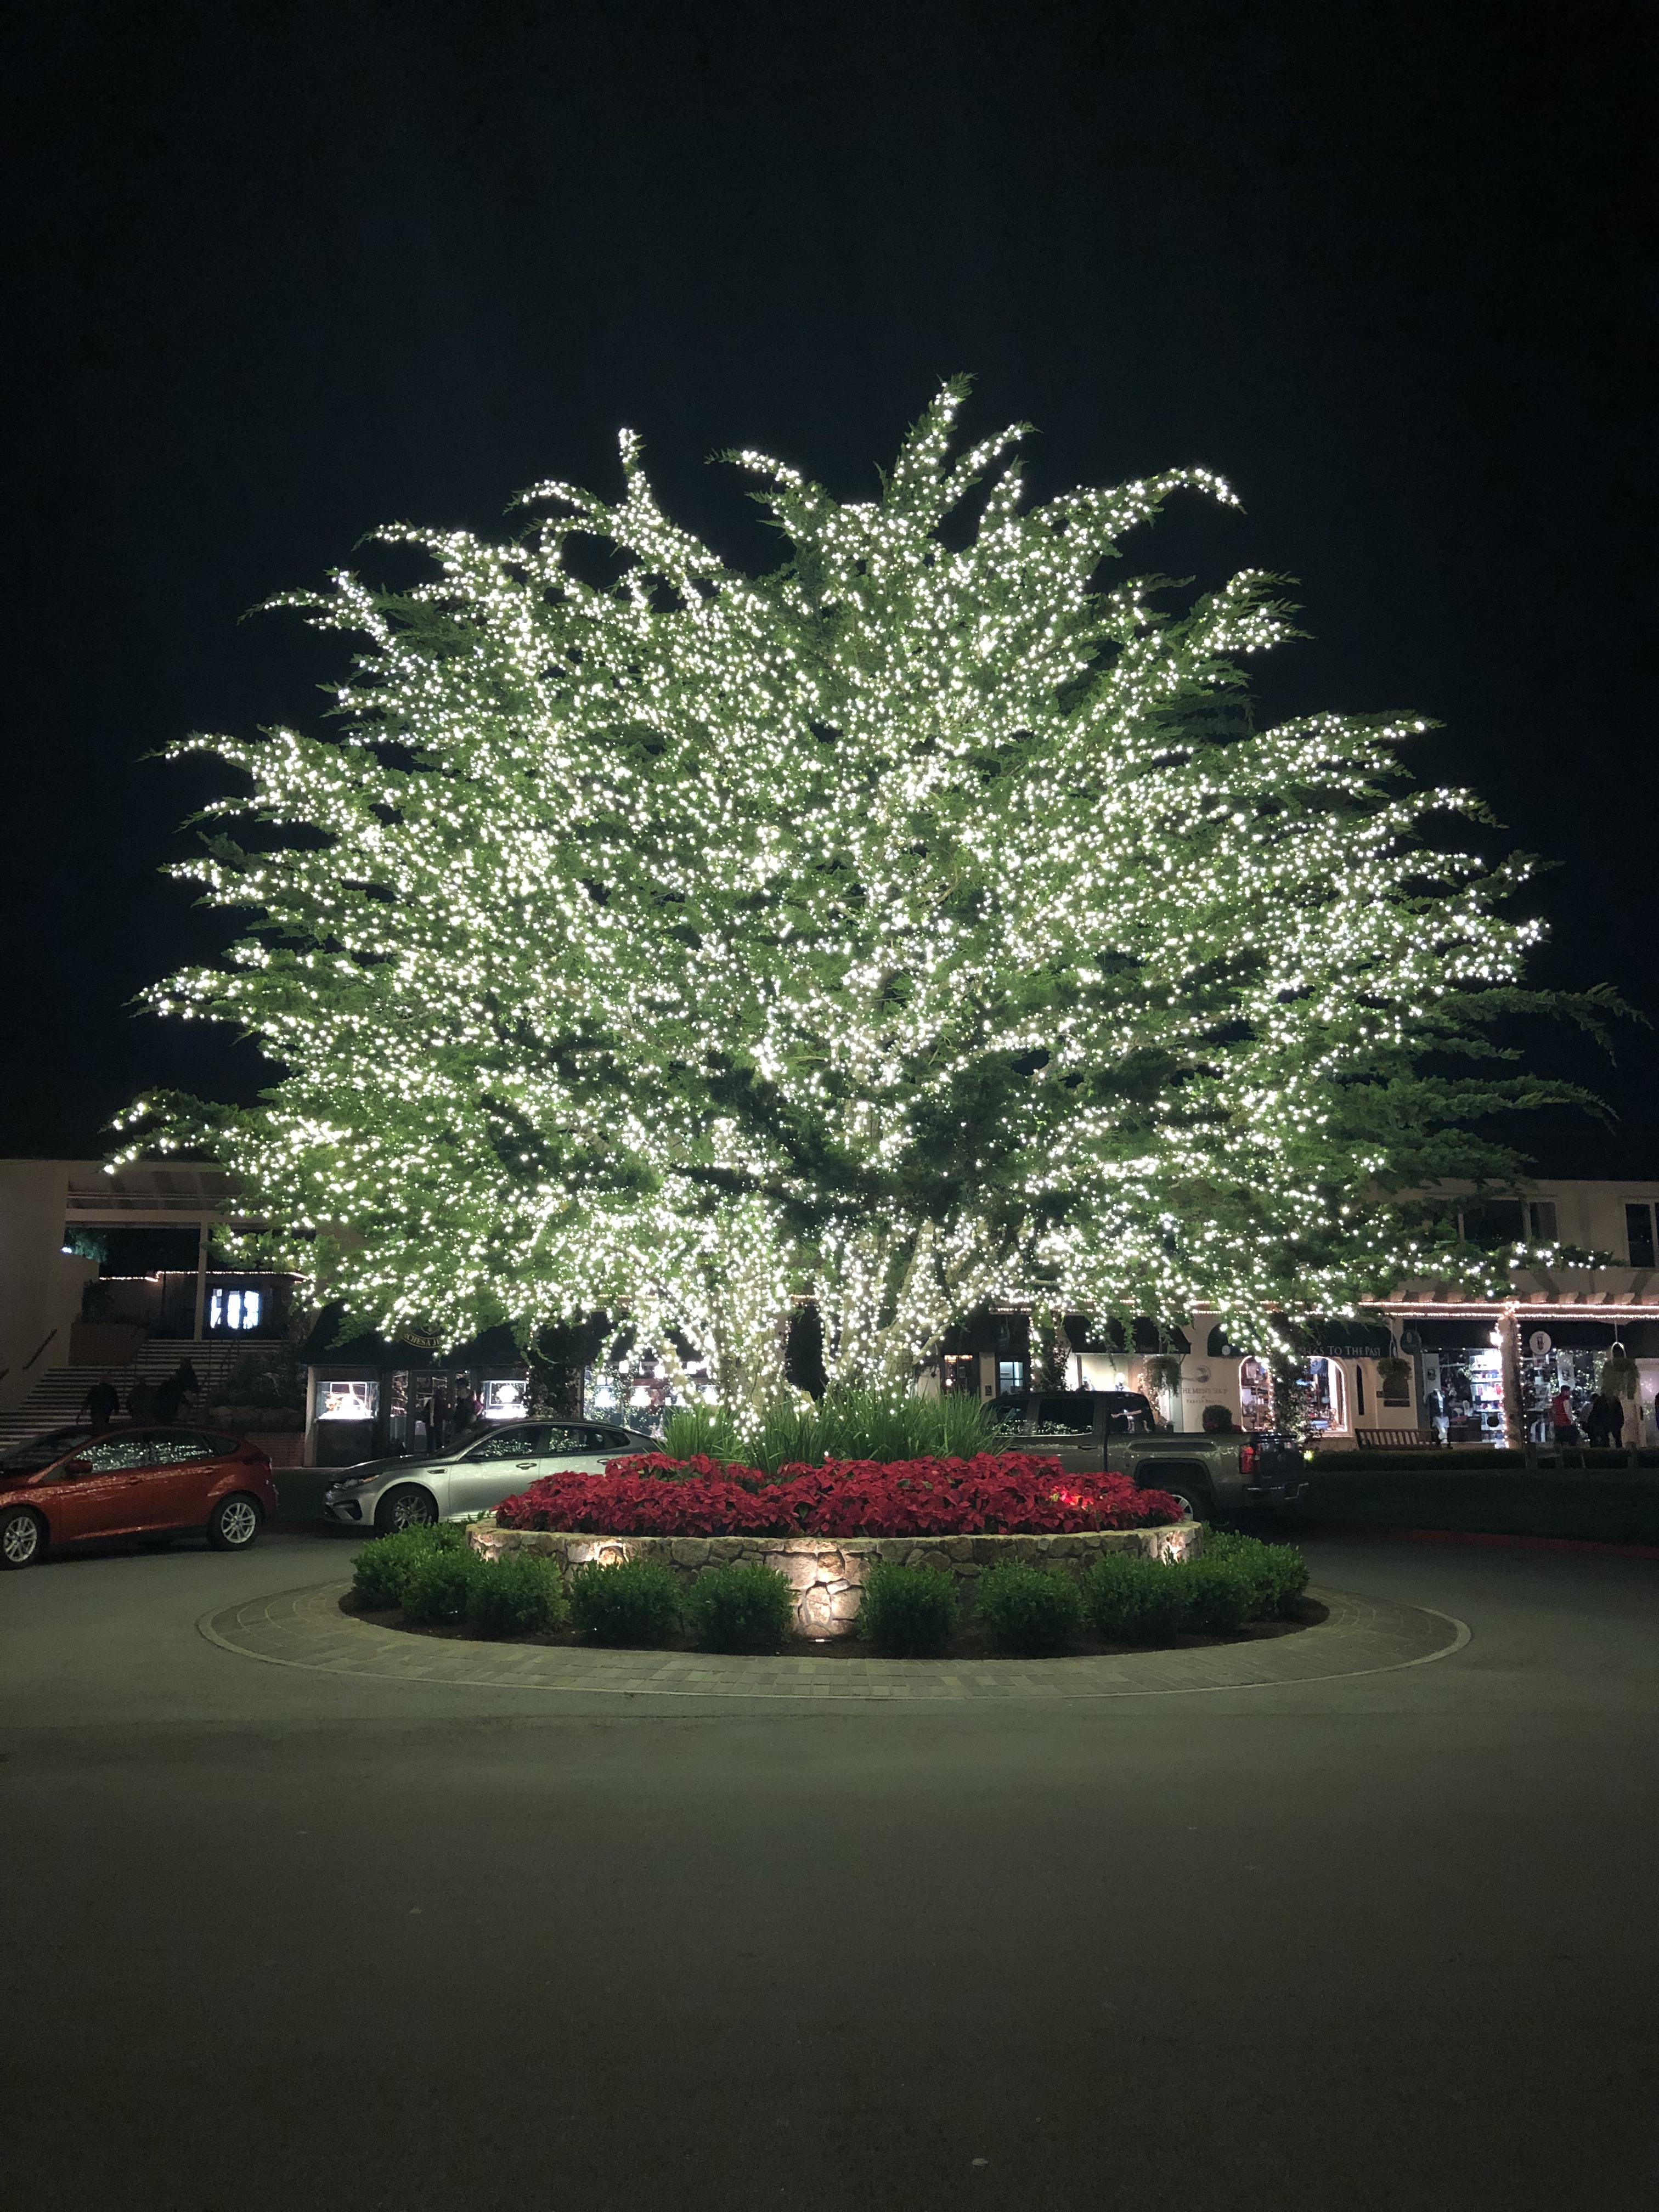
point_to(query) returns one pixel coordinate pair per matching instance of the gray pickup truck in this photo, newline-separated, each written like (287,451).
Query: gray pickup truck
(1222,1474)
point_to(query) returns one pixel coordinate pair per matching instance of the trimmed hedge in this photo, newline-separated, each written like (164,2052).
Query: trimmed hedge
(438,1590)
(1031,1613)
(381,1573)
(519,1596)
(1593,1507)
(636,1602)
(1130,1599)
(907,1613)
(1277,1574)
(740,1609)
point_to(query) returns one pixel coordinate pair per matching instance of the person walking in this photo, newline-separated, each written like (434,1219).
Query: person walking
(1434,1412)
(101,1404)
(141,1401)
(172,1394)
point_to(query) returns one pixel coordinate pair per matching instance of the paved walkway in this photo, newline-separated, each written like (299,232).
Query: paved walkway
(305,1628)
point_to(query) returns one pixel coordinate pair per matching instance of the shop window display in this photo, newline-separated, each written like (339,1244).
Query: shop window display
(1255,1394)
(355,1400)
(1325,1401)
(1471,1387)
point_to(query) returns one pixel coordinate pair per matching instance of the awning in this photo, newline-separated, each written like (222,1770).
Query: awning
(1318,1339)
(1088,1334)
(1567,1333)
(1432,1333)
(1343,1339)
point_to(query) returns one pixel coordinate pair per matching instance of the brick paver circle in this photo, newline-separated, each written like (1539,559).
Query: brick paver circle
(305,1628)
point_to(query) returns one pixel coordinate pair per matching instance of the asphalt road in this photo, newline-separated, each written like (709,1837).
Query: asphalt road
(274,1939)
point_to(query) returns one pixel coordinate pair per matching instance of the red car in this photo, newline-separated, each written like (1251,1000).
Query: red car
(71,1484)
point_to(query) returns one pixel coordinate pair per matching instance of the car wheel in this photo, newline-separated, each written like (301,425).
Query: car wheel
(408,1506)
(1193,1507)
(233,1524)
(22,1538)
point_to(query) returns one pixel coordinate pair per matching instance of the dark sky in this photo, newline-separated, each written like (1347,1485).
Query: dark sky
(275,273)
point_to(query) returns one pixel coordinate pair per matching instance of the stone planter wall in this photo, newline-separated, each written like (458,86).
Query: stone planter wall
(825,1572)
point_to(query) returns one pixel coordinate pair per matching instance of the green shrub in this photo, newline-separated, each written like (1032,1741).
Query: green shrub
(1220,1595)
(438,1588)
(907,1613)
(1130,1599)
(635,1602)
(1029,1611)
(740,1609)
(381,1572)
(1277,1573)
(519,1594)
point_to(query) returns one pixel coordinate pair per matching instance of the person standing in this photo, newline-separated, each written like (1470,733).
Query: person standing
(101,1404)
(141,1401)
(172,1394)
(1613,1420)
(1434,1411)
(1566,1431)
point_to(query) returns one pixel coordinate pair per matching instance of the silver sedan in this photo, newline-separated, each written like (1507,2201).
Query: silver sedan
(475,1475)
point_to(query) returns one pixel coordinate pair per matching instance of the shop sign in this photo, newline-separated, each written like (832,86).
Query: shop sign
(1540,1342)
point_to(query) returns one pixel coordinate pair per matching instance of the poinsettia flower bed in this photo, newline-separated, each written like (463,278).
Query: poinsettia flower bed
(994,1493)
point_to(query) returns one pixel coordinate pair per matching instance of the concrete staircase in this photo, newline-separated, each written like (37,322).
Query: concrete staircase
(56,1399)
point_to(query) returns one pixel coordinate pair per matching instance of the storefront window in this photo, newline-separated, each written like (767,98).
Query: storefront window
(1542,1374)
(234,1309)
(397,1413)
(504,1399)
(1325,1400)
(355,1400)
(1255,1394)
(1471,1387)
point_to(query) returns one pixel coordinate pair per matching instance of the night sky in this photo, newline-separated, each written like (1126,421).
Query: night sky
(274,274)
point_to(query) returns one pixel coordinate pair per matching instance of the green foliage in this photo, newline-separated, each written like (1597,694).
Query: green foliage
(740,1609)
(1130,1599)
(637,1602)
(381,1570)
(1277,1574)
(907,1613)
(438,1588)
(1221,1595)
(518,1594)
(851,1422)
(1028,1612)
(834,1003)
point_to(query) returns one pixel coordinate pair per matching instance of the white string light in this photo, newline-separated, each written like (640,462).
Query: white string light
(914,926)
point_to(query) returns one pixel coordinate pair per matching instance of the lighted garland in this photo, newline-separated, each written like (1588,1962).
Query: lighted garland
(917,925)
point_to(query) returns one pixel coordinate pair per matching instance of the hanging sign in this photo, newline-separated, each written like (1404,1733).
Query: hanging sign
(1538,1343)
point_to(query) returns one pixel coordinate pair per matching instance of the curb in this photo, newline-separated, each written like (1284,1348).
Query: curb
(304,1628)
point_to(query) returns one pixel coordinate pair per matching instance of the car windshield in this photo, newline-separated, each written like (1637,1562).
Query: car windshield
(41,1451)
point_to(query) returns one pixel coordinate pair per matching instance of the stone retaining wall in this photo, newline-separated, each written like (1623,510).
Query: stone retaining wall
(825,1572)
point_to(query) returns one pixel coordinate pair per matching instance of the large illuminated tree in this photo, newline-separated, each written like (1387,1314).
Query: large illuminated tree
(920,922)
